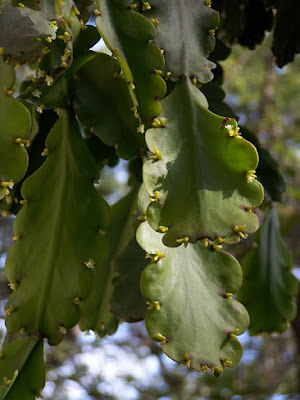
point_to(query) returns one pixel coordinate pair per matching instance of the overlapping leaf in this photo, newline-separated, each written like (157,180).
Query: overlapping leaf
(129,36)
(22,369)
(61,92)
(58,8)
(215,97)
(189,27)
(15,124)
(102,102)
(25,23)
(200,179)
(269,285)
(37,145)
(103,155)
(129,305)
(96,313)
(51,264)
(191,311)
(244,21)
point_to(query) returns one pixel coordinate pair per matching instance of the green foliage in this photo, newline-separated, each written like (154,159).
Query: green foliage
(14,129)
(98,108)
(75,259)
(176,280)
(269,286)
(210,168)
(25,23)
(22,369)
(128,35)
(59,273)
(191,45)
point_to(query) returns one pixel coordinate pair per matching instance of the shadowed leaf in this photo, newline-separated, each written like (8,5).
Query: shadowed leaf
(269,285)
(189,25)
(96,312)
(102,103)
(22,368)
(286,42)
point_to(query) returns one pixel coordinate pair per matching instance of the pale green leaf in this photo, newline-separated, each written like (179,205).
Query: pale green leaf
(15,124)
(191,311)
(198,176)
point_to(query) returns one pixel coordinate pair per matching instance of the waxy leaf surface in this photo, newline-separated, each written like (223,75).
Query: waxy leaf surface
(51,265)
(15,123)
(22,367)
(186,32)
(269,285)
(199,186)
(20,29)
(194,314)
(128,34)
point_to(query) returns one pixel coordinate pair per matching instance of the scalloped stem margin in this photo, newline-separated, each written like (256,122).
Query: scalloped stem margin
(201,176)
(191,311)
(57,241)
(129,36)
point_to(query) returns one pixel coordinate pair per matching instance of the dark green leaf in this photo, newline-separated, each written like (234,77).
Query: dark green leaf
(102,103)
(129,36)
(51,263)
(86,39)
(186,33)
(22,368)
(269,285)
(96,312)
(286,43)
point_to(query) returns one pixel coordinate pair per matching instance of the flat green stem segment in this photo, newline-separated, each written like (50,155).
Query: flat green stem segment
(189,311)
(269,287)
(22,369)
(201,184)
(96,312)
(127,35)
(51,265)
(25,23)
(128,262)
(103,104)
(15,124)
(186,32)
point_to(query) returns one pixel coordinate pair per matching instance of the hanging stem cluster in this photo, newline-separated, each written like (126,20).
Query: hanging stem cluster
(77,260)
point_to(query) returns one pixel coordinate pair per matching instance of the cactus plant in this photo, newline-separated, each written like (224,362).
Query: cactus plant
(147,98)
